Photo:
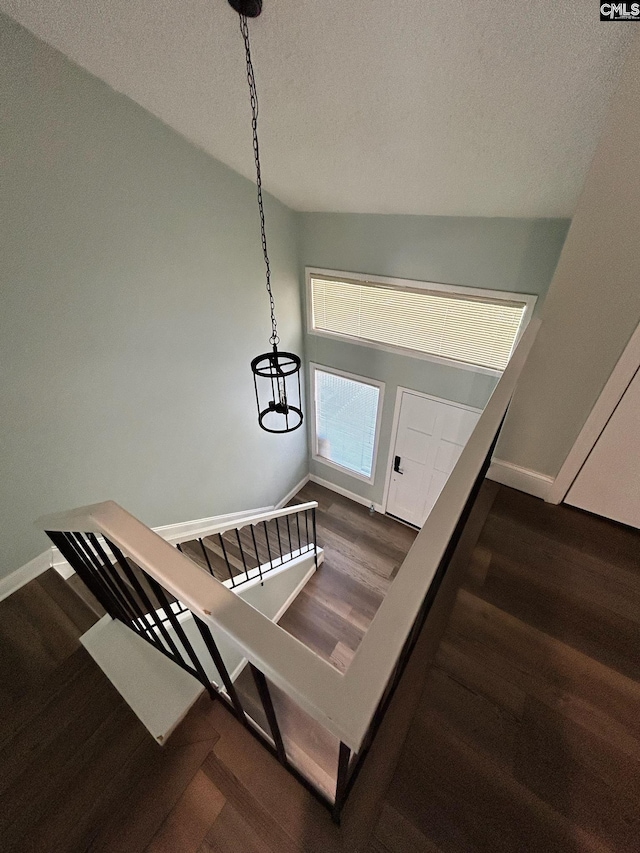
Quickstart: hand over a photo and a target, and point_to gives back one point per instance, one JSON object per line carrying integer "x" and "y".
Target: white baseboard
{"x": 345, "y": 493}
{"x": 294, "y": 491}
{"x": 524, "y": 479}
{"x": 184, "y": 528}
{"x": 24, "y": 574}
{"x": 60, "y": 564}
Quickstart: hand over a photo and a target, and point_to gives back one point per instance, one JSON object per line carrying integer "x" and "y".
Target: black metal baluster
{"x": 255, "y": 545}
{"x": 181, "y": 634}
{"x": 244, "y": 562}
{"x": 267, "y": 704}
{"x": 145, "y": 619}
{"x": 179, "y": 547}
{"x": 306, "y": 524}
{"x": 315, "y": 537}
{"x": 342, "y": 781}
{"x": 206, "y": 556}
{"x": 154, "y": 625}
{"x": 213, "y": 650}
{"x": 108, "y": 576}
{"x": 279, "y": 541}
{"x": 289, "y": 535}
{"x": 298, "y": 529}
{"x": 68, "y": 549}
{"x": 226, "y": 559}
{"x": 76, "y": 541}
{"x": 144, "y": 598}
{"x": 266, "y": 533}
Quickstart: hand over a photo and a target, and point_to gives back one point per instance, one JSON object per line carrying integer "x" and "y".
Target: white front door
{"x": 430, "y": 437}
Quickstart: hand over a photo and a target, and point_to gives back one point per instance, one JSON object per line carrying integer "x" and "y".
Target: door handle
{"x": 396, "y": 465}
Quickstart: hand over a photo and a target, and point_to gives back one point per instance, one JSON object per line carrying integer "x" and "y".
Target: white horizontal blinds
{"x": 346, "y": 416}
{"x": 474, "y": 330}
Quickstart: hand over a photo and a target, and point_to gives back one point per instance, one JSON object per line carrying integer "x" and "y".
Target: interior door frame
{"x": 396, "y": 423}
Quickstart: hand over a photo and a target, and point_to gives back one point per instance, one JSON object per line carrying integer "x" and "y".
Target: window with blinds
{"x": 346, "y": 421}
{"x": 477, "y": 330}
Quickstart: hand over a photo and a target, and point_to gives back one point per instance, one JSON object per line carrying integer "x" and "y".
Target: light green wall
{"x": 501, "y": 254}
{"x": 132, "y": 301}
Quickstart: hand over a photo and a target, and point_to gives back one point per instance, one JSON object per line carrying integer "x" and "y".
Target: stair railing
{"x": 239, "y": 551}
{"x": 150, "y": 586}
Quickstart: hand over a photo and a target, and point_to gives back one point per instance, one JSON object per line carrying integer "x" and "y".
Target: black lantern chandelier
{"x": 276, "y": 375}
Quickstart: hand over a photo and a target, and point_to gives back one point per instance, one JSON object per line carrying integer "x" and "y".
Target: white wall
{"x": 593, "y": 304}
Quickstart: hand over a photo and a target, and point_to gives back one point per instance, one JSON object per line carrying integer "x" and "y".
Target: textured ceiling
{"x": 469, "y": 108}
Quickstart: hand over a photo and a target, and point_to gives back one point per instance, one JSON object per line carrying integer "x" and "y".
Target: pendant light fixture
{"x": 276, "y": 375}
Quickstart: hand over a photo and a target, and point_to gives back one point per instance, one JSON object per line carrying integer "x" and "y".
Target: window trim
{"x": 313, "y": 366}
{"x": 528, "y": 299}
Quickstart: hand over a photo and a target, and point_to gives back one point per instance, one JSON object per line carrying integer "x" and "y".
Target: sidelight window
{"x": 346, "y": 418}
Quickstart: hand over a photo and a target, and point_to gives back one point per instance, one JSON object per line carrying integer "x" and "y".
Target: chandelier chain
{"x": 244, "y": 29}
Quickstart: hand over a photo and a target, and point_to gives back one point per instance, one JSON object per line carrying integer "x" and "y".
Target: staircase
{"x": 265, "y": 558}
{"x": 209, "y": 758}
{"x": 74, "y": 756}
{"x": 234, "y": 555}
{"x": 78, "y": 770}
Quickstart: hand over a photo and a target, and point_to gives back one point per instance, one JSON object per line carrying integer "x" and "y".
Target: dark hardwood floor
{"x": 527, "y": 737}
{"x": 362, "y": 554}
{"x": 39, "y": 629}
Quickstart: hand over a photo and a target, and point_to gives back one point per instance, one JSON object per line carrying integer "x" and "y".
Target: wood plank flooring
{"x": 79, "y": 772}
{"x": 362, "y": 554}
{"x": 528, "y": 733}
{"x": 40, "y": 626}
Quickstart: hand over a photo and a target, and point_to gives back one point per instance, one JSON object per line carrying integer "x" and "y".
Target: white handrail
{"x": 69, "y": 520}
{"x": 241, "y": 521}
{"x": 283, "y": 659}
{"x": 344, "y": 704}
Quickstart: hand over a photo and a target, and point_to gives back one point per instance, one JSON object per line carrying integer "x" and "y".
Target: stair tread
{"x": 37, "y": 634}
{"x": 55, "y": 740}
{"x": 68, "y": 600}
{"x": 81, "y": 787}
{"x": 21, "y": 712}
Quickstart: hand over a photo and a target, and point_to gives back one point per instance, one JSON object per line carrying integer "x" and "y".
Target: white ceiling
{"x": 469, "y": 108}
